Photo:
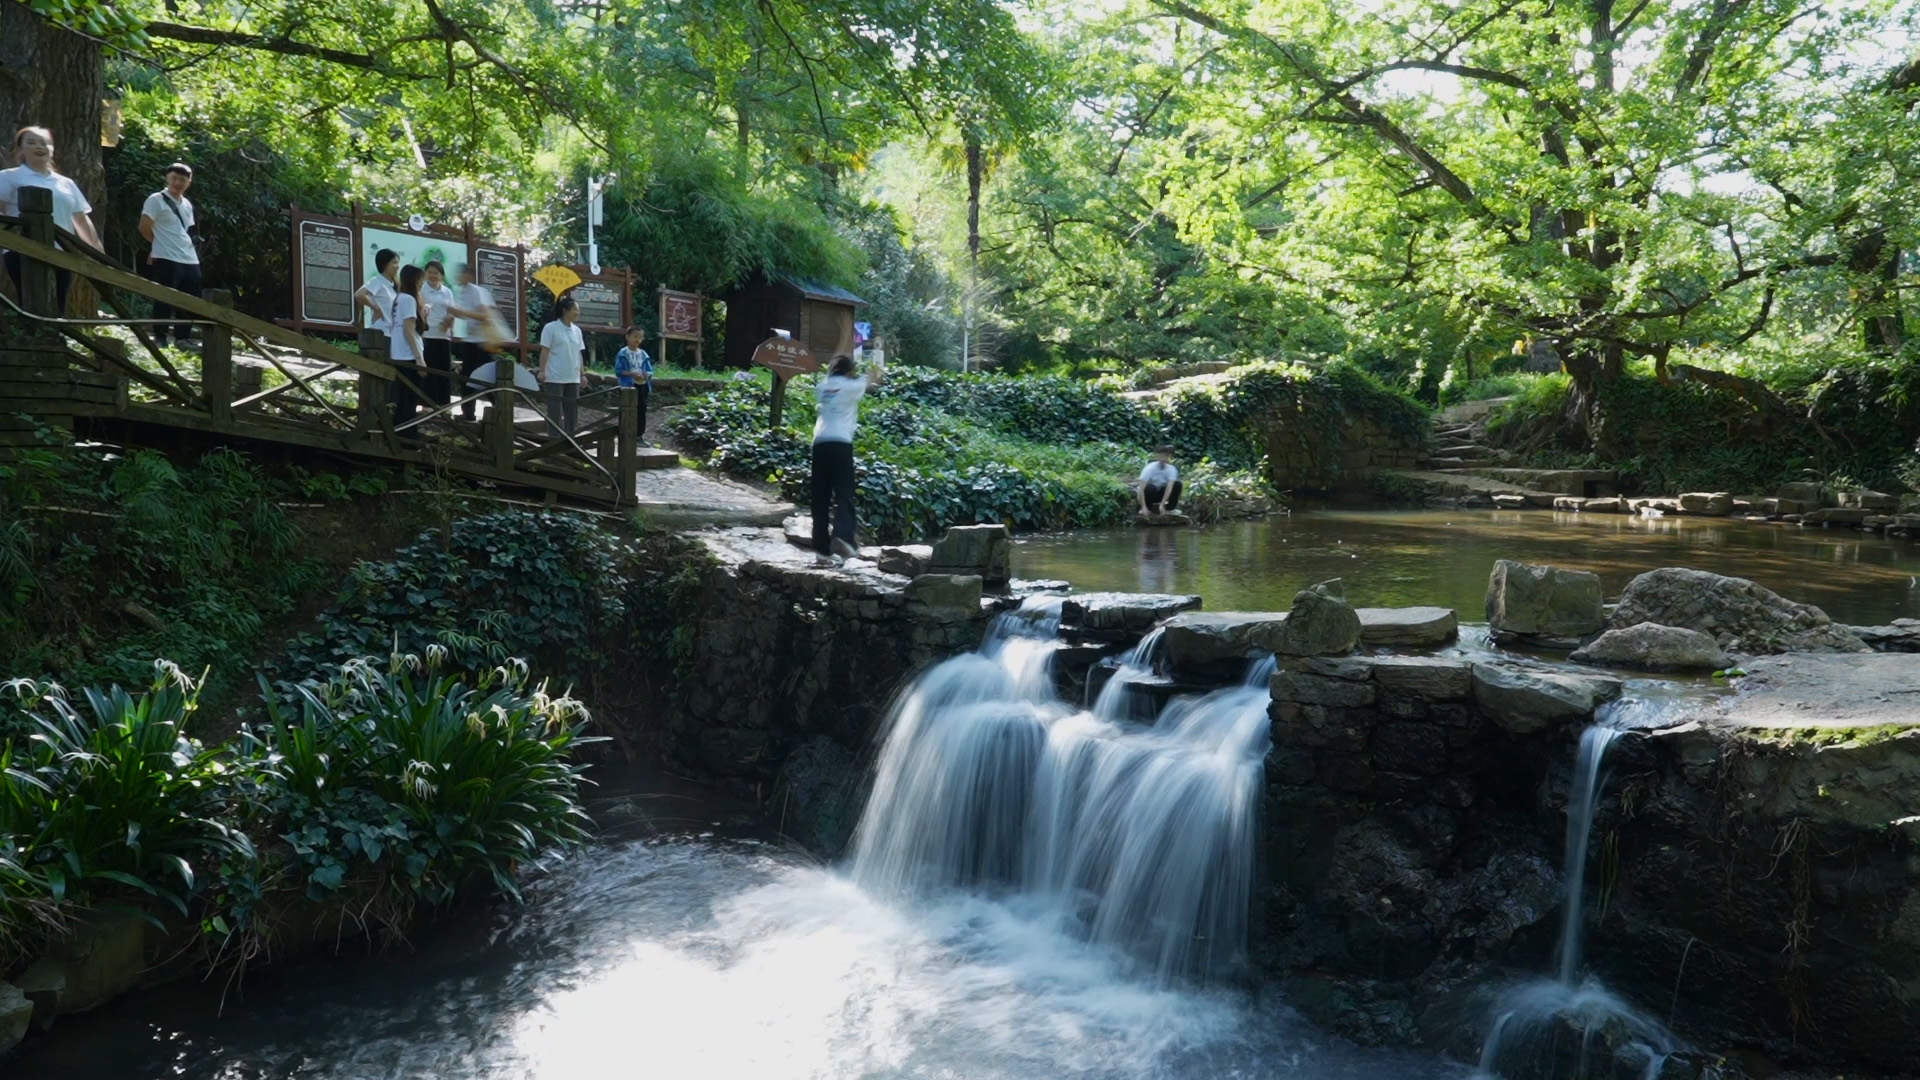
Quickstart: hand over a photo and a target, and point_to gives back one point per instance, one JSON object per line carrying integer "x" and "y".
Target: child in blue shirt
{"x": 633, "y": 367}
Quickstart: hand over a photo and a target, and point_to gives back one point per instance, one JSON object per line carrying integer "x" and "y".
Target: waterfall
{"x": 1118, "y": 700}
{"x": 1532, "y": 1018}
{"x": 1135, "y": 835}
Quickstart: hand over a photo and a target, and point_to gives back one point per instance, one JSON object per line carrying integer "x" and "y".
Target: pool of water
{"x": 710, "y": 957}
{"x": 1404, "y": 557}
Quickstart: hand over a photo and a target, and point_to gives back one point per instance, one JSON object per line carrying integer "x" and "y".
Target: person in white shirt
{"x": 166, "y": 220}
{"x": 377, "y": 294}
{"x": 436, "y": 304}
{"x": 472, "y": 312}
{"x": 562, "y": 355}
{"x": 406, "y": 322}
{"x": 1160, "y": 484}
{"x": 837, "y": 412}
{"x": 33, "y": 167}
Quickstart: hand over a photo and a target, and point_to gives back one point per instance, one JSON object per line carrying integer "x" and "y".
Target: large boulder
{"x": 1321, "y": 622}
{"x": 1133, "y": 612}
{"x": 1707, "y": 503}
{"x": 986, "y": 550}
{"x": 1412, "y": 627}
{"x": 1652, "y": 647}
{"x": 960, "y": 591}
{"x": 1738, "y": 614}
{"x": 1543, "y": 601}
{"x": 1198, "y": 640}
{"x": 1525, "y": 702}
{"x": 16, "y": 1014}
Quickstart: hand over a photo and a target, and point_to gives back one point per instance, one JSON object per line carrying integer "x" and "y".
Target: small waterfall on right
{"x": 1570, "y": 1026}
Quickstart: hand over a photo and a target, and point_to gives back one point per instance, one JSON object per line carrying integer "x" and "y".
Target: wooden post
{"x": 375, "y": 412}
{"x": 626, "y": 473}
{"x": 779, "y": 401}
{"x": 500, "y": 432}
{"x": 37, "y": 292}
{"x": 216, "y": 363}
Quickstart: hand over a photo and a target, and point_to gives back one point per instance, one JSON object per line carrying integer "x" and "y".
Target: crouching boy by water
{"x": 1160, "y": 484}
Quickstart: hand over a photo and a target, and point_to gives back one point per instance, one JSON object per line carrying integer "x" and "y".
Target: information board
{"x": 601, "y": 306}
{"x": 499, "y": 271}
{"x": 414, "y": 249}
{"x": 679, "y": 315}
{"x": 325, "y": 257}
{"x": 786, "y": 357}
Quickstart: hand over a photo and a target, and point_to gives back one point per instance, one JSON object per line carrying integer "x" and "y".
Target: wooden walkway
{"x": 259, "y": 383}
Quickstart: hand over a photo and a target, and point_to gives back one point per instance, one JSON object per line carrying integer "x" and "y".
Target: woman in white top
{"x": 405, "y": 324}
{"x": 562, "y": 355}
{"x": 436, "y": 303}
{"x": 33, "y": 167}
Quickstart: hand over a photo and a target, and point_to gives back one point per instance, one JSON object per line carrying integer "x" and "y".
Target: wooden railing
{"x": 310, "y": 408}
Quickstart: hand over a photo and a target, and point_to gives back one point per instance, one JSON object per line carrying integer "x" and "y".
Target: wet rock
{"x": 1414, "y": 627}
{"x": 1510, "y": 502}
{"x": 946, "y": 591}
{"x": 1202, "y": 639}
{"x": 16, "y": 1016}
{"x": 1740, "y": 615}
{"x": 1707, "y": 504}
{"x": 1351, "y": 1009}
{"x": 1805, "y": 492}
{"x": 1132, "y": 612}
{"x": 1569, "y": 502}
{"x": 1321, "y": 623}
{"x": 1543, "y": 601}
{"x": 909, "y": 560}
{"x": 1524, "y": 702}
{"x": 1651, "y": 647}
{"x": 1902, "y": 635}
{"x": 1426, "y": 678}
{"x": 1834, "y": 516}
{"x": 1868, "y": 500}
{"x": 818, "y": 796}
{"x": 986, "y": 550}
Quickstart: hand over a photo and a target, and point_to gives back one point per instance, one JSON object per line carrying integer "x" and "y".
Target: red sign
{"x": 786, "y": 357}
{"x": 679, "y": 315}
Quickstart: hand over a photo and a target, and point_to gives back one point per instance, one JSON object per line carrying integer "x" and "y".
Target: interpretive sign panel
{"x": 786, "y": 357}
{"x": 602, "y": 305}
{"x": 680, "y": 315}
{"x": 498, "y": 270}
{"x": 324, "y": 260}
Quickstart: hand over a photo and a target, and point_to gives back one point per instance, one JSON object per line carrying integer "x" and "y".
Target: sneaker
{"x": 844, "y": 549}
{"x": 824, "y": 561}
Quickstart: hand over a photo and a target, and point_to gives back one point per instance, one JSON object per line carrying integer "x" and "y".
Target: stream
{"x": 1038, "y": 889}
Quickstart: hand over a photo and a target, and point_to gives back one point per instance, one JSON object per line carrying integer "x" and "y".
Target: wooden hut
{"x": 816, "y": 314}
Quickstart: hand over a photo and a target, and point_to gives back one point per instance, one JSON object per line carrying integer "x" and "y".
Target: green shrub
{"x": 112, "y": 800}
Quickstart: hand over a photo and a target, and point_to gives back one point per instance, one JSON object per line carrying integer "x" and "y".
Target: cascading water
{"x": 1119, "y": 700}
{"x": 1135, "y": 836}
{"x": 1551, "y": 1027}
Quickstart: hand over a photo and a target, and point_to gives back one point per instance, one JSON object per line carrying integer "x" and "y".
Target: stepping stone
{"x": 1417, "y": 627}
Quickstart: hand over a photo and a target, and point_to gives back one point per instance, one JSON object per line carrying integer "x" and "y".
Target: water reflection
{"x": 1396, "y": 557}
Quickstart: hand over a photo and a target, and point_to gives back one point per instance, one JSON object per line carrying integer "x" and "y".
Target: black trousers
{"x": 179, "y": 276}
{"x": 440, "y": 358}
{"x": 471, "y": 357}
{"x": 1153, "y": 493}
{"x": 832, "y": 494}
{"x": 640, "y": 404}
{"x": 62, "y": 282}
{"x": 405, "y": 389}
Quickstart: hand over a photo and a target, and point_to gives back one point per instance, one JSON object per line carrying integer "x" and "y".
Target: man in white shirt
{"x": 472, "y": 309}
{"x": 1160, "y": 484}
{"x": 836, "y": 414}
{"x": 167, "y": 221}
{"x": 562, "y": 356}
{"x": 377, "y": 294}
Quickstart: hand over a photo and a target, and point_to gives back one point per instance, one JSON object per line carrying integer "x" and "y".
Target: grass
{"x": 1856, "y": 737}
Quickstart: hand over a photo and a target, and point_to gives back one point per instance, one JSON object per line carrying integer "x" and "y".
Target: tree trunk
{"x": 975, "y": 170}
{"x": 1875, "y": 264}
{"x": 54, "y": 78}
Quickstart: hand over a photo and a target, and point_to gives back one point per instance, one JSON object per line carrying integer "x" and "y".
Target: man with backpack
{"x": 167, "y": 221}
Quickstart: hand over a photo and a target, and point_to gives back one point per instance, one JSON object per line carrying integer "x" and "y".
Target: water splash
{"x": 1129, "y": 835}
{"x": 1121, "y": 700}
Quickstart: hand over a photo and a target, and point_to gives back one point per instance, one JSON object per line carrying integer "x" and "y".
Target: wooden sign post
{"x": 786, "y": 358}
{"x": 679, "y": 321}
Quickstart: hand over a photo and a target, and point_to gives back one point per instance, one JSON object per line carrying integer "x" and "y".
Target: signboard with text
{"x": 605, "y": 299}
{"x": 679, "y": 315}
{"x": 498, "y": 271}
{"x": 785, "y": 357}
{"x": 323, "y": 265}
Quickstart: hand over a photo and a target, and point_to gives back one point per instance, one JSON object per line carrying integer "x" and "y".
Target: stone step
{"x": 1450, "y": 464}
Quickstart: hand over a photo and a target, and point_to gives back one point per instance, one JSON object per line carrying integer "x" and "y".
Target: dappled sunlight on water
{"x": 1405, "y": 557}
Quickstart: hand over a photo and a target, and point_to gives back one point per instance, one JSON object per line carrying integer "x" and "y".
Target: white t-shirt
{"x": 68, "y": 200}
{"x": 403, "y": 310}
{"x": 474, "y": 297}
{"x": 437, "y": 298}
{"x": 383, "y": 293}
{"x": 839, "y": 407}
{"x": 170, "y": 239}
{"x": 1159, "y": 472}
{"x": 565, "y": 346}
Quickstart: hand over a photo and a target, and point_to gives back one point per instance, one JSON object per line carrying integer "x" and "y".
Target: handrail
{"x": 283, "y": 369}
{"x": 139, "y": 286}
{"x": 519, "y": 393}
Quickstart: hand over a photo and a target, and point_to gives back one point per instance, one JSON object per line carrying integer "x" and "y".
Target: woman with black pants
{"x": 838, "y": 408}
{"x": 436, "y": 303}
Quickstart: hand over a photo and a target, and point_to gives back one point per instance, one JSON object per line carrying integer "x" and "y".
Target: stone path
{"x": 684, "y": 497}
